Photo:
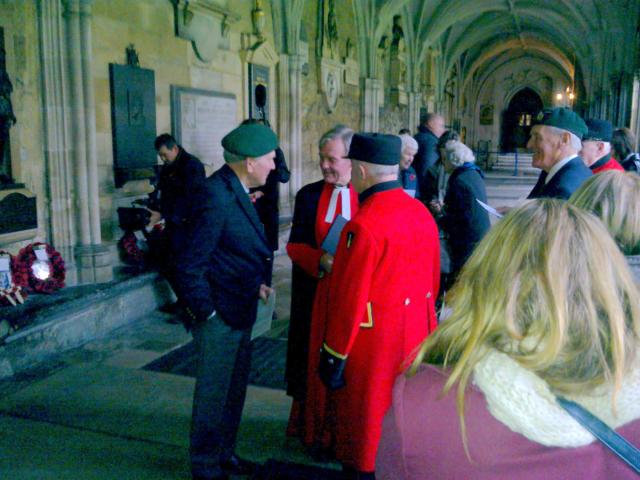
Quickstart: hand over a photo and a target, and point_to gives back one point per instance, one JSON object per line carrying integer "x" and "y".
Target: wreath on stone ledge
{"x": 15, "y": 293}
{"x": 40, "y": 283}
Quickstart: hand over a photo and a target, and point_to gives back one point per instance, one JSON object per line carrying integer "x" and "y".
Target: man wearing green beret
{"x": 555, "y": 142}
{"x": 221, "y": 274}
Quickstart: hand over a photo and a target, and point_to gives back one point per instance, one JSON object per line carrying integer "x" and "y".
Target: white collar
{"x": 557, "y": 167}
{"x": 524, "y": 403}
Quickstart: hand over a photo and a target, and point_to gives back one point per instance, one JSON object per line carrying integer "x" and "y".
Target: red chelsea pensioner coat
{"x": 381, "y": 306}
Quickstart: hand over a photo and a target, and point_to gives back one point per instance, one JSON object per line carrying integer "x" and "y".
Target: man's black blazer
{"x": 566, "y": 181}
{"x": 226, "y": 255}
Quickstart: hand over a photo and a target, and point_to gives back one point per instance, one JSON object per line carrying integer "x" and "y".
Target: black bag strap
{"x": 612, "y": 440}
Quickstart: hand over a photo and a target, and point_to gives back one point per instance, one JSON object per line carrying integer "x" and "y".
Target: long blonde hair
{"x": 548, "y": 287}
{"x": 614, "y": 197}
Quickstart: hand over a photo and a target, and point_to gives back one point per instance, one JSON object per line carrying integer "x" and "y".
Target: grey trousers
{"x": 223, "y": 364}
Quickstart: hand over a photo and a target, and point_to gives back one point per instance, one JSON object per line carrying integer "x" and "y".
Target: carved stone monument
{"x": 205, "y": 24}
{"x": 329, "y": 66}
{"x": 398, "y": 64}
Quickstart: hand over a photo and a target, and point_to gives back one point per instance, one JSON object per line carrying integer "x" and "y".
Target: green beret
{"x": 251, "y": 140}
{"x": 563, "y": 118}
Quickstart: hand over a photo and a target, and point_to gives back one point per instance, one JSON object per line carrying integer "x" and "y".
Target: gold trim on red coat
{"x": 369, "y": 322}
{"x": 333, "y": 352}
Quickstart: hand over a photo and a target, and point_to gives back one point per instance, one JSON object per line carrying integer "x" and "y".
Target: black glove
{"x": 331, "y": 370}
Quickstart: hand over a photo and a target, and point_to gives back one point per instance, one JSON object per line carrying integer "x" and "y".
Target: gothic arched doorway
{"x": 517, "y": 118}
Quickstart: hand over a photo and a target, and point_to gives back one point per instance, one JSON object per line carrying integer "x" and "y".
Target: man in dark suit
{"x": 171, "y": 201}
{"x": 429, "y": 131}
{"x": 222, "y": 271}
{"x": 555, "y": 142}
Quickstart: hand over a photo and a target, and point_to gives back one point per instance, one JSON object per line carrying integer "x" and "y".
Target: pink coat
{"x": 421, "y": 440}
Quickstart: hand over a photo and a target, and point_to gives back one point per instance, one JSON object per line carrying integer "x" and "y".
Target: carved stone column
{"x": 415, "y": 102}
{"x": 55, "y": 101}
{"x": 290, "y": 105}
{"x": 370, "y": 110}
{"x": 93, "y": 258}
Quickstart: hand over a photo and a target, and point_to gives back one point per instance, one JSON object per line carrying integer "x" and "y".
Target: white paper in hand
{"x": 489, "y": 209}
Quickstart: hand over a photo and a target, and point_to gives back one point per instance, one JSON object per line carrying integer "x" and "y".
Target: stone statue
{"x": 7, "y": 118}
{"x": 332, "y": 29}
{"x": 132, "y": 56}
{"x": 398, "y": 34}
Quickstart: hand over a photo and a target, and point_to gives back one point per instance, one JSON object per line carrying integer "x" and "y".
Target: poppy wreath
{"x": 132, "y": 252}
{"x": 27, "y": 257}
{"x": 16, "y": 294}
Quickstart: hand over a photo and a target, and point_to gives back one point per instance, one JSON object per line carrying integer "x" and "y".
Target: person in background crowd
{"x": 596, "y": 147}
{"x": 545, "y": 306}
{"x": 316, "y": 207}
{"x": 266, "y": 198}
{"x": 614, "y": 197}
{"x": 173, "y": 201}
{"x": 623, "y": 143}
{"x": 437, "y": 177}
{"x": 555, "y": 142}
{"x": 408, "y": 177}
{"x": 404, "y": 131}
{"x": 222, "y": 274}
{"x": 381, "y": 299}
{"x": 463, "y": 219}
{"x": 430, "y": 129}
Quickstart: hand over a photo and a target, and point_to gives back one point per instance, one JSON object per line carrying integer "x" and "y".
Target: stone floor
{"x": 94, "y": 413}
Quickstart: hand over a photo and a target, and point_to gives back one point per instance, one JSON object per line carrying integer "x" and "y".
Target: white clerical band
{"x": 345, "y": 199}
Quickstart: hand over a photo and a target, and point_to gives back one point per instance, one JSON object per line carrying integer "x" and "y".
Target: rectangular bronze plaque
{"x": 133, "y": 122}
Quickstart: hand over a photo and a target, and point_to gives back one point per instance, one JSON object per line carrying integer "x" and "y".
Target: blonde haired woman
{"x": 614, "y": 197}
{"x": 546, "y": 305}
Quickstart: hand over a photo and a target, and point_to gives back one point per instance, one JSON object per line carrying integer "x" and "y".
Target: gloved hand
{"x": 331, "y": 370}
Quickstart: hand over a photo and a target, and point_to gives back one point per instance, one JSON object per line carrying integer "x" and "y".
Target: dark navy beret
{"x": 599, "y": 130}
{"x": 376, "y": 148}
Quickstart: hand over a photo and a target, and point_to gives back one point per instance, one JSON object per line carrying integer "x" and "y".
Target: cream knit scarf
{"x": 523, "y": 402}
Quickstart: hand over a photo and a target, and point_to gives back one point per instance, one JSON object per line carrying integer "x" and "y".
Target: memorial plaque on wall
{"x": 18, "y": 211}
{"x": 133, "y": 122}
{"x": 200, "y": 119}
{"x": 258, "y": 78}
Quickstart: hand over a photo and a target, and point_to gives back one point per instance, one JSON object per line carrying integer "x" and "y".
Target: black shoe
{"x": 235, "y": 465}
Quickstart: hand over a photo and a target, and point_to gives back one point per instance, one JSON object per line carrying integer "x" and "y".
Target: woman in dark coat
{"x": 464, "y": 220}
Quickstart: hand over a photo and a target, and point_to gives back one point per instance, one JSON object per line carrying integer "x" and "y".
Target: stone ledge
{"x": 55, "y": 323}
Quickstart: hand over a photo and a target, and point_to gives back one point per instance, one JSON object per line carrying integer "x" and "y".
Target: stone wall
{"x": 315, "y": 118}
{"x": 149, "y": 25}
{"x": 18, "y": 19}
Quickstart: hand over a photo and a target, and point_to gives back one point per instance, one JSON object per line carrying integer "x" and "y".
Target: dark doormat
{"x": 276, "y": 470}
{"x": 267, "y": 362}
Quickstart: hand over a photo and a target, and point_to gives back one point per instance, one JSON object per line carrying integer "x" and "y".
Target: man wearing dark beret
{"x": 220, "y": 277}
{"x": 596, "y": 147}
{"x": 555, "y": 142}
{"x": 382, "y": 291}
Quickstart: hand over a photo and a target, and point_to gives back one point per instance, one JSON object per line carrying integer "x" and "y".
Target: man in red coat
{"x": 317, "y": 206}
{"x": 596, "y": 147}
{"x": 381, "y": 299}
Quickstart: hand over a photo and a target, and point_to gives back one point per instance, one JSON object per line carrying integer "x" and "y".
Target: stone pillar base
{"x": 93, "y": 264}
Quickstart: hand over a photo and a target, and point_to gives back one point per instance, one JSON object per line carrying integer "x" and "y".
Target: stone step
{"x": 54, "y": 323}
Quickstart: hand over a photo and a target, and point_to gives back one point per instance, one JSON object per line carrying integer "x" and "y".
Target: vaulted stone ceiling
{"x": 590, "y": 39}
